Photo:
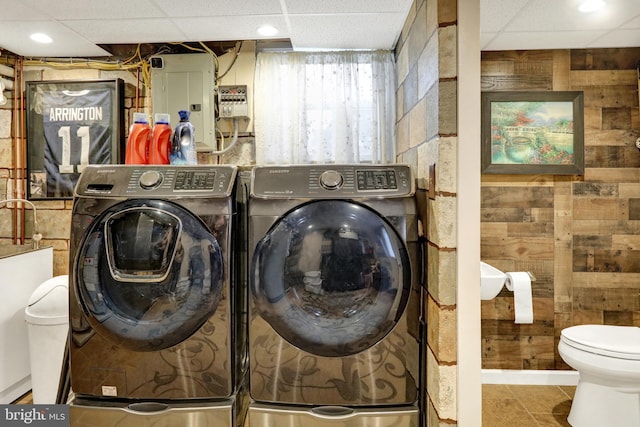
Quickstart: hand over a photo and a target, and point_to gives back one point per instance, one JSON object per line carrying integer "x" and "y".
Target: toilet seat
{"x": 620, "y": 342}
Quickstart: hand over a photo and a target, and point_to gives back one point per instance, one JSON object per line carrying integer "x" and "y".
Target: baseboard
{"x": 15, "y": 390}
{"x": 529, "y": 377}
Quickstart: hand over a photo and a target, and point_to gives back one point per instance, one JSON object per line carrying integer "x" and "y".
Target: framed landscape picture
{"x": 533, "y": 133}
{"x": 71, "y": 124}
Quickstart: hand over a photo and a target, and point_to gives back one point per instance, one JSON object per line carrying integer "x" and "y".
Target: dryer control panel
{"x": 156, "y": 181}
{"x": 332, "y": 181}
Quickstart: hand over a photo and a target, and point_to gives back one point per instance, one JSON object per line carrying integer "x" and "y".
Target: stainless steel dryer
{"x": 334, "y": 301}
{"x": 154, "y": 314}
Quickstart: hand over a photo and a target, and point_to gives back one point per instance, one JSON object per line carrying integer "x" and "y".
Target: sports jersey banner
{"x": 71, "y": 125}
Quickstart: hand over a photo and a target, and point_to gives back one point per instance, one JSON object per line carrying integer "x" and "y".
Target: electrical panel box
{"x": 237, "y": 69}
{"x": 232, "y": 101}
{"x": 186, "y": 82}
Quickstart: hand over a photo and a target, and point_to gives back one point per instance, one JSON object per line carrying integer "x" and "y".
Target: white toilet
{"x": 608, "y": 361}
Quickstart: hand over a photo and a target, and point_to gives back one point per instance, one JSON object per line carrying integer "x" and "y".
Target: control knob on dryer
{"x": 150, "y": 179}
{"x": 331, "y": 179}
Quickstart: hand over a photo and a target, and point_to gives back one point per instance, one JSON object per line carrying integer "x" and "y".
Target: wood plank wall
{"x": 579, "y": 235}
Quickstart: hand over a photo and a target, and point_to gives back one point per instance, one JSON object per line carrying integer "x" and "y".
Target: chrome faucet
{"x": 37, "y": 237}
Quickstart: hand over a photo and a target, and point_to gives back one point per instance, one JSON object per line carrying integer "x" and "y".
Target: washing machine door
{"x": 332, "y": 277}
{"x": 148, "y": 274}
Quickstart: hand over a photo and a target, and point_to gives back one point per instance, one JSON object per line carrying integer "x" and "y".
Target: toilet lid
{"x": 615, "y": 341}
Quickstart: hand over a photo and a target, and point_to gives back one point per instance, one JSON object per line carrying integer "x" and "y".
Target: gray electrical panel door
{"x": 186, "y": 82}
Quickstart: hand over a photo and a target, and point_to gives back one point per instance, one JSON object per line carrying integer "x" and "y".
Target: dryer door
{"x": 332, "y": 277}
{"x": 148, "y": 274}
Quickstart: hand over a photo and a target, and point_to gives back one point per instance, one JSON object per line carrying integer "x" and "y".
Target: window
{"x": 325, "y": 107}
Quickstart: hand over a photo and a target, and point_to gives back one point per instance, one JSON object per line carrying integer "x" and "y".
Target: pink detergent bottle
{"x": 160, "y": 140}
{"x": 137, "y": 152}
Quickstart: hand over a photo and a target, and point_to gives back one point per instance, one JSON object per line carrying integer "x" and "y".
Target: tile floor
{"x": 525, "y": 405}
{"x": 508, "y": 405}
{"x": 26, "y": 399}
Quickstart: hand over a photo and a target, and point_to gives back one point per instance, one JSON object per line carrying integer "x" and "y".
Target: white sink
{"x": 491, "y": 281}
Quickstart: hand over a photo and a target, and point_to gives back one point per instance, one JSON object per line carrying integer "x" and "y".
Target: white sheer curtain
{"x": 325, "y": 107}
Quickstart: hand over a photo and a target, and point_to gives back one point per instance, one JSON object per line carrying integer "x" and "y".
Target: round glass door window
{"x": 149, "y": 274}
{"x": 331, "y": 277}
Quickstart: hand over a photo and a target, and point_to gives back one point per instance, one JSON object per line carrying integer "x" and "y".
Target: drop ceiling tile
{"x": 529, "y": 40}
{"x": 213, "y": 8}
{"x": 495, "y": 14}
{"x": 633, "y": 23}
{"x": 341, "y": 6}
{"x": 97, "y": 9}
{"x": 618, "y": 38}
{"x": 486, "y": 38}
{"x": 552, "y": 15}
{"x": 12, "y": 11}
{"x": 137, "y": 30}
{"x": 345, "y": 31}
{"x": 14, "y": 36}
{"x": 223, "y": 28}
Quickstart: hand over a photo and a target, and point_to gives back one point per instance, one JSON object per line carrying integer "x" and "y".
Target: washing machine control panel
{"x": 157, "y": 181}
{"x": 150, "y": 179}
{"x": 332, "y": 181}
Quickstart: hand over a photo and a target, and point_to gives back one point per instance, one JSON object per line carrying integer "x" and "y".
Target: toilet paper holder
{"x": 532, "y": 277}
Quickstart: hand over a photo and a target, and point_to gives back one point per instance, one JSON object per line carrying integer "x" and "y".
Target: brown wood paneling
{"x": 611, "y": 96}
{"x": 625, "y": 242}
{"x": 605, "y": 59}
{"x": 611, "y": 157}
{"x": 513, "y": 83}
{"x": 508, "y": 327}
{"x": 537, "y": 363}
{"x": 590, "y": 242}
{"x": 611, "y": 299}
{"x": 621, "y": 318}
{"x": 610, "y": 226}
{"x": 563, "y": 241}
{"x": 602, "y": 260}
{"x": 598, "y": 189}
{"x": 634, "y": 209}
{"x": 518, "y": 55}
{"x": 534, "y": 229}
{"x": 519, "y": 347}
{"x": 504, "y": 214}
{"x": 604, "y": 280}
{"x": 614, "y": 137}
{"x": 579, "y": 234}
{"x": 580, "y": 79}
{"x": 612, "y": 174}
{"x": 514, "y": 197}
{"x": 537, "y": 248}
{"x": 617, "y": 118}
{"x": 599, "y": 208}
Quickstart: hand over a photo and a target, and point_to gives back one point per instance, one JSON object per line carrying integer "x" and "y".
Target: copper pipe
{"x": 18, "y": 154}
{"x": 22, "y": 141}
{"x": 16, "y": 149}
{"x": 137, "y": 87}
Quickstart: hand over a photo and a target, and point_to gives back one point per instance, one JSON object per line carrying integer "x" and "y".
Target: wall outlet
{"x": 638, "y": 143}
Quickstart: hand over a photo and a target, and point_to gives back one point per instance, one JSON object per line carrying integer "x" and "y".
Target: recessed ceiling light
{"x": 591, "y": 5}
{"x": 267, "y": 31}
{"x": 41, "y": 38}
